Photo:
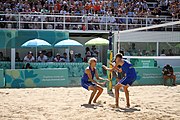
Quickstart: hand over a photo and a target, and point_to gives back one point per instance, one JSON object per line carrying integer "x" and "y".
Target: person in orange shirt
{"x": 57, "y": 7}
{"x": 96, "y": 8}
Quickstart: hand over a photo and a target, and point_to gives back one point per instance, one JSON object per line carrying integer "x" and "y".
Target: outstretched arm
{"x": 109, "y": 69}
{"x": 99, "y": 78}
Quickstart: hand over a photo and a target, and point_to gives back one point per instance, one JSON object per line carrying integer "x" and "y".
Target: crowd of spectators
{"x": 44, "y": 56}
{"x": 133, "y": 51}
{"x": 86, "y": 11}
{"x": 48, "y": 56}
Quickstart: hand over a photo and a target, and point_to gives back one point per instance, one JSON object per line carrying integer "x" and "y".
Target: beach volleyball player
{"x": 127, "y": 80}
{"x": 88, "y": 82}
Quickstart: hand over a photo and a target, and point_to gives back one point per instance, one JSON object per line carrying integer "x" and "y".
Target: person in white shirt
{"x": 29, "y": 57}
{"x": 64, "y": 59}
{"x": 42, "y": 57}
{"x": 50, "y": 58}
{"x": 57, "y": 58}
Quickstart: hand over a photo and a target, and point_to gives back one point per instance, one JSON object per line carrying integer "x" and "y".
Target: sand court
{"x": 147, "y": 102}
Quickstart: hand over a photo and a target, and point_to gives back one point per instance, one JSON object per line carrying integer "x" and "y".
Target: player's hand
{"x": 107, "y": 80}
{"x": 102, "y": 84}
{"x": 103, "y": 66}
{"x": 111, "y": 63}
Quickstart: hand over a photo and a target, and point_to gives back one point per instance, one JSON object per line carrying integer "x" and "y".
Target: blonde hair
{"x": 92, "y": 59}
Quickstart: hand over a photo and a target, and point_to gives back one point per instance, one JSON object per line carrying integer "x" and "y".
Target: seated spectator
{"x": 57, "y": 58}
{"x": 50, "y": 58}
{"x": 42, "y": 57}
{"x": 168, "y": 73}
{"x": 139, "y": 53}
{"x": 28, "y": 66}
{"x": 170, "y": 53}
{"x": 1, "y": 56}
{"x": 65, "y": 58}
{"x": 133, "y": 50}
{"x": 29, "y": 57}
{"x": 17, "y": 58}
{"x": 78, "y": 58}
{"x": 153, "y": 53}
{"x": 163, "y": 53}
{"x": 144, "y": 53}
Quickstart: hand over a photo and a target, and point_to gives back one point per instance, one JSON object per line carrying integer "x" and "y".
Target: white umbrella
{"x": 98, "y": 42}
{"x": 36, "y": 43}
{"x": 67, "y": 43}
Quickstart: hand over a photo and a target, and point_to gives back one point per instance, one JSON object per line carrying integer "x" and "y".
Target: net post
{"x": 109, "y": 59}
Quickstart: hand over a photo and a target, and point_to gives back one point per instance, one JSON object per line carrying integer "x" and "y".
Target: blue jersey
{"x": 85, "y": 77}
{"x": 128, "y": 68}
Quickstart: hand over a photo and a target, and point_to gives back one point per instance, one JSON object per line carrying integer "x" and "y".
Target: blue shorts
{"x": 127, "y": 80}
{"x": 87, "y": 84}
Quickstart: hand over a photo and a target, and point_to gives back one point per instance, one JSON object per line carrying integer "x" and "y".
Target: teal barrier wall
{"x": 20, "y": 78}
{"x": 143, "y": 62}
{"x": 153, "y": 76}
{"x": 145, "y": 76}
{"x": 74, "y": 69}
{"x": 2, "y": 80}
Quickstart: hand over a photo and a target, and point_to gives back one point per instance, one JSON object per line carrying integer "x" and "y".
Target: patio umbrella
{"x": 36, "y": 43}
{"x": 66, "y": 44}
{"x": 97, "y": 41}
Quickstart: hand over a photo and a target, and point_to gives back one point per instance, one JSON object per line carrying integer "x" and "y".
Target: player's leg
{"x": 127, "y": 95}
{"x": 94, "y": 90}
{"x": 117, "y": 88}
{"x": 100, "y": 90}
{"x": 165, "y": 77}
{"x": 174, "y": 79}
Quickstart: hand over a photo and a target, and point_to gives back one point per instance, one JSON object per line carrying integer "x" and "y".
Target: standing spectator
{"x": 168, "y": 73}
{"x": 29, "y": 57}
{"x": 42, "y": 57}
{"x": 94, "y": 51}
{"x": 87, "y": 54}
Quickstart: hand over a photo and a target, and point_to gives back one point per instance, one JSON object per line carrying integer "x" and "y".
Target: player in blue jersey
{"x": 125, "y": 82}
{"x": 88, "y": 82}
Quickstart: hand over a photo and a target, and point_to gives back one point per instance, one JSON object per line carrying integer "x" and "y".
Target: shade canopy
{"x": 67, "y": 43}
{"x": 97, "y": 41}
{"x": 36, "y": 43}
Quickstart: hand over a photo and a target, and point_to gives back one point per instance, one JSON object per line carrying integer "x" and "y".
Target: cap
{"x": 29, "y": 52}
{"x": 57, "y": 54}
{"x": 40, "y": 52}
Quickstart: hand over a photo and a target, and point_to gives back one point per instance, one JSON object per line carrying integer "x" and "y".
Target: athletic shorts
{"x": 87, "y": 84}
{"x": 127, "y": 80}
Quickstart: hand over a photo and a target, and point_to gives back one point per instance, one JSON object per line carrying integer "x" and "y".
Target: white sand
{"x": 147, "y": 103}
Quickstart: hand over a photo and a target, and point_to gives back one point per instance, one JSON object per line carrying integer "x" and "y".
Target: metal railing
{"x": 81, "y": 23}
